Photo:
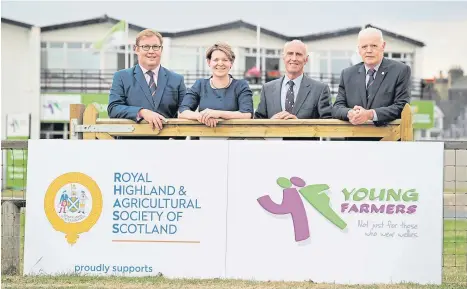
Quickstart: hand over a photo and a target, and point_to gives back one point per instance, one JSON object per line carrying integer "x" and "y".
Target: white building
{"x": 60, "y": 58}
{"x": 20, "y": 74}
{"x": 67, "y": 46}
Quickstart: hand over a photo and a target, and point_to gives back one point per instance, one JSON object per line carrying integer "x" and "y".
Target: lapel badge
{"x": 382, "y": 73}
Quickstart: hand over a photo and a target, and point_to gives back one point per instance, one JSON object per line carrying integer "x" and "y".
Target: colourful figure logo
{"x": 73, "y": 204}
{"x": 53, "y": 106}
{"x": 292, "y": 204}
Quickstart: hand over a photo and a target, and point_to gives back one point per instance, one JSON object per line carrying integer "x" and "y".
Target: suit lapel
{"x": 139, "y": 76}
{"x": 380, "y": 75}
{"x": 161, "y": 83}
{"x": 303, "y": 92}
{"x": 361, "y": 84}
{"x": 277, "y": 89}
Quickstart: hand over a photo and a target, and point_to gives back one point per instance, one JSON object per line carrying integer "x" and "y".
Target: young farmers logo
{"x": 73, "y": 204}
{"x": 53, "y": 106}
{"x": 292, "y": 204}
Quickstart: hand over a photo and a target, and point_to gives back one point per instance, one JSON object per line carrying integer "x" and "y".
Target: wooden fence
{"x": 85, "y": 124}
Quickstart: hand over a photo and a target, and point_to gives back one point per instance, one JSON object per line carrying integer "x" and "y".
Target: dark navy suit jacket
{"x": 130, "y": 93}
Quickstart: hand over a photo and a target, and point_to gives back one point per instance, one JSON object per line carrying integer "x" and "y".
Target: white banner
{"x": 18, "y": 125}
{"x": 126, "y": 207}
{"x": 344, "y": 212}
{"x": 56, "y": 107}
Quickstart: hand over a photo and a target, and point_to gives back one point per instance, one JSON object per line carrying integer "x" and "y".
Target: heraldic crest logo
{"x": 73, "y": 204}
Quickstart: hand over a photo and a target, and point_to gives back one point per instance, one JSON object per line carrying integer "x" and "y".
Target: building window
{"x": 74, "y": 45}
{"x": 44, "y": 62}
{"x": 57, "y": 130}
{"x": 323, "y": 66}
{"x": 406, "y": 58}
{"x": 334, "y": 61}
{"x": 56, "y": 58}
{"x": 339, "y": 64}
{"x": 185, "y": 58}
{"x": 56, "y": 44}
{"x": 82, "y": 59}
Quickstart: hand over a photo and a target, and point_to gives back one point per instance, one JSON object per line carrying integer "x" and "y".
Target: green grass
{"x": 455, "y": 243}
{"x": 454, "y": 273}
{"x": 161, "y": 282}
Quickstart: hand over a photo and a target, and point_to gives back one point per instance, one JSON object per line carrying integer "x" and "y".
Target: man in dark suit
{"x": 376, "y": 89}
{"x": 295, "y": 95}
{"x": 146, "y": 91}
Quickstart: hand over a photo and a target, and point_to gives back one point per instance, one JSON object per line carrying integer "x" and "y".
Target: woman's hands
{"x": 209, "y": 117}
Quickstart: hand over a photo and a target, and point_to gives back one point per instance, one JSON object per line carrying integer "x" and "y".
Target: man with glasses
{"x": 146, "y": 91}
{"x": 376, "y": 89}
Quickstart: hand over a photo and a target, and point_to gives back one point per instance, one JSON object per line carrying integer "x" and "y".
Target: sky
{"x": 290, "y": 18}
{"x": 436, "y": 23}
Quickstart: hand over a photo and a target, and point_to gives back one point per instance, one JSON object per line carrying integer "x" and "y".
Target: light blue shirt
{"x": 375, "y": 117}
{"x": 285, "y": 87}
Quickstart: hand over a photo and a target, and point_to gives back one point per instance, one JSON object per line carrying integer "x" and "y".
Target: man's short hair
{"x": 296, "y": 41}
{"x": 370, "y": 30}
{"x": 148, "y": 33}
{"x": 221, "y": 46}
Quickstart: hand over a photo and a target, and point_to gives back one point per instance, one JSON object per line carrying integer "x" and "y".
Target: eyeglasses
{"x": 147, "y": 47}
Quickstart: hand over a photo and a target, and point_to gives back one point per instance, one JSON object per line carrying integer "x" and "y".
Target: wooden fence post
{"x": 89, "y": 118}
{"x": 406, "y": 124}
{"x": 76, "y": 112}
{"x": 10, "y": 238}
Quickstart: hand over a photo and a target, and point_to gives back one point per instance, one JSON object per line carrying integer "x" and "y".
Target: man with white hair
{"x": 376, "y": 89}
{"x": 294, "y": 95}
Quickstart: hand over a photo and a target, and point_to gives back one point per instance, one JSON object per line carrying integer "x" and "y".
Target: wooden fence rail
{"x": 85, "y": 124}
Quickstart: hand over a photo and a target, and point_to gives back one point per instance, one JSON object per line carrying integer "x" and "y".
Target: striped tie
{"x": 371, "y": 79}
{"x": 152, "y": 84}
{"x": 289, "y": 98}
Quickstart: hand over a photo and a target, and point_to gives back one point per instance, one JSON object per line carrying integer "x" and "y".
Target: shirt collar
{"x": 376, "y": 67}
{"x": 155, "y": 70}
{"x": 296, "y": 81}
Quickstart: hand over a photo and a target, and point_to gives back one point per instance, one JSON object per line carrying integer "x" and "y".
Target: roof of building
{"x": 234, "y": 25}
{"x": 16, "y": 23}
{"x": 97, "y": 20}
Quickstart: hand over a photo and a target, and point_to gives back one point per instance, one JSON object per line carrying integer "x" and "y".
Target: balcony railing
{"x": 100, "y": 81}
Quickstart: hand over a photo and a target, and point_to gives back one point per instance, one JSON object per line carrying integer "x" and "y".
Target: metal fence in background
{"x": 14, "y": 172}
{"x": 100, "y": 81}
{"x": 455, "y": 214}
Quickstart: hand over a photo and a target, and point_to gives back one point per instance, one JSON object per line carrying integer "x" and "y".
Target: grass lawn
{"x": 160, "y": 282}
{"x": 455, "y": 244}
{"x": 454, "y": 273}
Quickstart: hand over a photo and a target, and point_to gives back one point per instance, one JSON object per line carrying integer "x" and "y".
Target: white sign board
{"x": 56, "y": 107}
{"x": 18, "y": 125}
{"x": 344, "y": 212}
{"x": 126, "y": 207}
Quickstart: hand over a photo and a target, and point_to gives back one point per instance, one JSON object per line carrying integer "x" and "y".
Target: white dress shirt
{"x": 156, "y": 73}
